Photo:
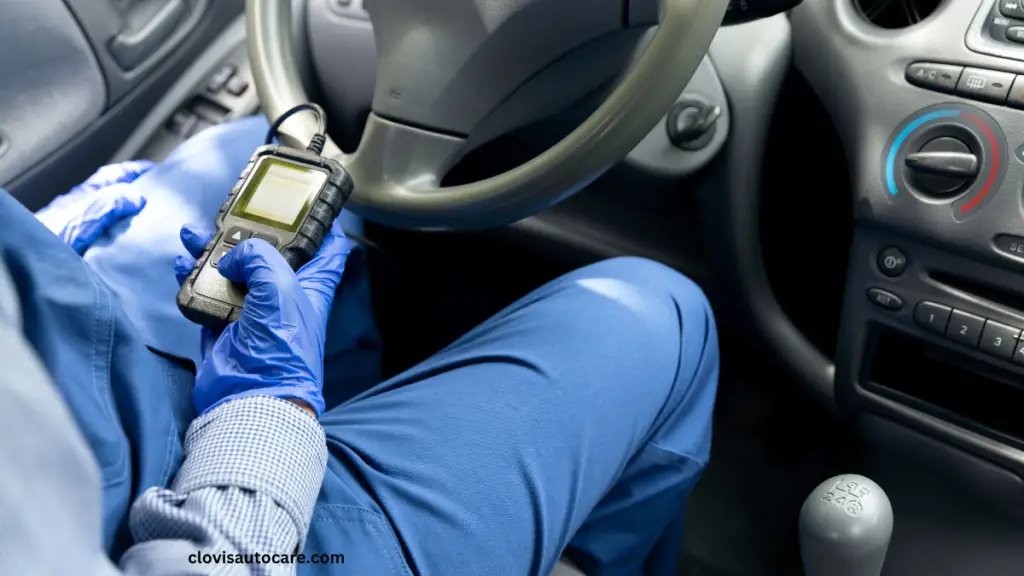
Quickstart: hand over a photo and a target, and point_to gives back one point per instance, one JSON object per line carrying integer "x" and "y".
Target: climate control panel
{"x": 949, "y": 153}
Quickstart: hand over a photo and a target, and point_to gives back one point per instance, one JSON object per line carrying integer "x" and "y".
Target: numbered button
{"x": 1018, "y": 355}
{"x": 964, "y": 328}
{"x": 932, "y": 317}
{"x": 999, "y": 340}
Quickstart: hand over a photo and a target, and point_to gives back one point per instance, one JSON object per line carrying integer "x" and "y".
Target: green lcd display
{"x": 279, "y": 193}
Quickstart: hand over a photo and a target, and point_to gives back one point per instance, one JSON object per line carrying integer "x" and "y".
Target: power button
{"x": 892, "y": 262}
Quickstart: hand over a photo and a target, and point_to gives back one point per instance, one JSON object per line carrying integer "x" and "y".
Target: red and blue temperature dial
{"x": 972, "y": 132}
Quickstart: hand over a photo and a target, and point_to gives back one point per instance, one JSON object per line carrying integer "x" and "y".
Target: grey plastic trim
{"x": 100, "y": 24}
{"x": 752, "y": 60}
{"x": 301, "y": 41}
{"x": 395, "y": 189}
{"x": 855, "y": 395}
{"x": 344, "y": 57}
{"x": 979, "y": 40}
{"x": 986, "y": 480}
{"x": 82, "y": 151}
{"x": 130, "y": 48}
{"x": 52, "y": 87}
{"x": 232, "y": 37}
{"x": 993, "y": 451}
{"x": 446, "y": 66}
{"x": 587, "y": 74}
{"x": 656, "y": 154}
{"x": 858, "y": 72}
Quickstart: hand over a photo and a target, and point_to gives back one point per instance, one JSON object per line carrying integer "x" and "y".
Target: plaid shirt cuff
{"x": 258, "y": 443}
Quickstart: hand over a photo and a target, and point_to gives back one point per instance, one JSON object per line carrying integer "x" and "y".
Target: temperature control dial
{"x": 949, "y": 152}
{"x": 943, "y": 166}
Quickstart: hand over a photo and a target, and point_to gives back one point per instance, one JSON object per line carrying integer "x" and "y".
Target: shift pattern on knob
{"x": 845, "y": 527}
{"x": 948, "y": 151}
{"x": 846, "y": 494}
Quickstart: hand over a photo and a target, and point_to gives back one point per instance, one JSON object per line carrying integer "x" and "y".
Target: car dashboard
{"x": 930, "y": 359}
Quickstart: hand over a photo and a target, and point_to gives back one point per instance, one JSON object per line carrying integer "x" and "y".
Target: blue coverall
{"x": 578, "y": 419}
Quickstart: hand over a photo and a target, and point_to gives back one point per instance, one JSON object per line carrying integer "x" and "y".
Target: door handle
{"x": 131, "y": 47}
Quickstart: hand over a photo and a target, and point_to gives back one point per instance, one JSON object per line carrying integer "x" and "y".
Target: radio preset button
{"x": 932, "y": 317}
{"x": 965, "y": 328}
{"x": 999, "y": 340}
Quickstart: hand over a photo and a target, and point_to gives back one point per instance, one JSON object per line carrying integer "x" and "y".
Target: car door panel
{"x": 80, "y": 75}
{"x": 52, "y": 87}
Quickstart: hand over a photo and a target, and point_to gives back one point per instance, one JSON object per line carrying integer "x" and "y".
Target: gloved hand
{"x": 89, "y": 209}
{"x": 276, "y": 348}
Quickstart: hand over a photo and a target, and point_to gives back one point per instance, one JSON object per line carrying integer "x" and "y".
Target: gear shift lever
{"x": 845, "y": 525}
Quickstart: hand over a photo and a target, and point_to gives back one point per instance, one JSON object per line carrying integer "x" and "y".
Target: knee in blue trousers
{"x": 575, "y": 421}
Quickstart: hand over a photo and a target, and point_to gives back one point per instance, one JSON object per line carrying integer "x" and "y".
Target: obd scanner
{"x": 286, "y": 197}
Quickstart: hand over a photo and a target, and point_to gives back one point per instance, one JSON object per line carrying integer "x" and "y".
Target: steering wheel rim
{"x": 397, "y": 168}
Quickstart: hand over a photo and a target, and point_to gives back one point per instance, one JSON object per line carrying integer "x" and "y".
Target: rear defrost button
{"x": 985, "y": 85}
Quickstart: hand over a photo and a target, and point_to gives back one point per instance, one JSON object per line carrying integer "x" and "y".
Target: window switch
{"x": 236, "y": 85}
{"x": 181, "y": 122}
{"x": 220, "y": 78}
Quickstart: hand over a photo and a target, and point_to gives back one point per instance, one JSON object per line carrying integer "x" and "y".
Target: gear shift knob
{"x": 845, "y": 525}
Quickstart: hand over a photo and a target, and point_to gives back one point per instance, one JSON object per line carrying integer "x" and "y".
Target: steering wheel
{"x": 446, "y": 65}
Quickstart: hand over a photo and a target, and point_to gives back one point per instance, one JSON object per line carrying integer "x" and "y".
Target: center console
{"x": 930, "y": 356}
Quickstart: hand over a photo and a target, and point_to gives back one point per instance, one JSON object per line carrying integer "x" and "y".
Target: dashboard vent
{"x": 896, "y": 13}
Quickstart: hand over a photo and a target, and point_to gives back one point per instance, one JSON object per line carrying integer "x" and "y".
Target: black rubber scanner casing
{"x": 214, "y": 313}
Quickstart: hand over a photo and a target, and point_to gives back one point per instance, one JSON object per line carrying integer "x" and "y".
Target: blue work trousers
{"x": 575, "y": 421}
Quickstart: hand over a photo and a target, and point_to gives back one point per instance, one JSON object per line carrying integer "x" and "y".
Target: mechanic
{"x": 577, "y": 420}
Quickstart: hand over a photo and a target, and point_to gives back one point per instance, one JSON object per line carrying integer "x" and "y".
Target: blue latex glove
{"x": 91, "y": 208}
{"x": 277, "y": 346}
